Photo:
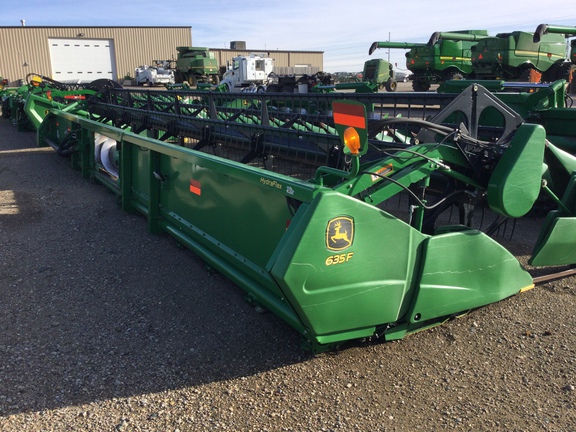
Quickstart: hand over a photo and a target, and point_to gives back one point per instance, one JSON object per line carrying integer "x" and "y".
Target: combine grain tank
{"x": 516, "y": 56}
{"x": 196, "y": 65}
{"x": 442, "y": 58}
{"x": 544, "y": 29}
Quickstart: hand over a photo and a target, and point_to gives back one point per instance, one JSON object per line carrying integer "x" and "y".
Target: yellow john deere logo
{"x": 339, "y": 233}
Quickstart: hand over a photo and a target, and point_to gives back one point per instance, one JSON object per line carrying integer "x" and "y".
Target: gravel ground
{"x": 106, "y": 327}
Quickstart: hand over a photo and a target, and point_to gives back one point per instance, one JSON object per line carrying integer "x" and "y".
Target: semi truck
{"x": 255, "y": 73}
{"x": 446, "y": 56}
{"x": 248, "y": 73}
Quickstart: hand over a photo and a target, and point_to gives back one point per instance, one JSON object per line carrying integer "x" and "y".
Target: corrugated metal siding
{"x": 309, "y": 59}
{"x": 25, "y": 50}
{"x": 282, "y": 59}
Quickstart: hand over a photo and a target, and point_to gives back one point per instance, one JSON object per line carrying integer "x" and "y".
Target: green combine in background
{"x": 438, "y": 60}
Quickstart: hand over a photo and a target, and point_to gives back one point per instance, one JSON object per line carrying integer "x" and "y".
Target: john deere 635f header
{"x": 289, "y": 196}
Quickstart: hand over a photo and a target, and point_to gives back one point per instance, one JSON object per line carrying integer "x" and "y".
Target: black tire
{"x": 454, "y": 75}
{"x": 420, "y": 86}
{"x": 524, "y": 75}
{"x": 192, "y": 81}
{"x": 391, "y": 86}
{"x": 6, "y": 109}
{"x": 563, "y": 71}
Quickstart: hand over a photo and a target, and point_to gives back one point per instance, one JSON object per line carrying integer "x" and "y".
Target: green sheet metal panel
{"x": 340, "y": 282}
{"x": 515, "y": 183}
{"x": 248, "y": 218}
{"x": 556, "y": 244}
{"x": 464, "y": 270}
{"x": 560, "y": 125}
{"x": 140, "y": 172}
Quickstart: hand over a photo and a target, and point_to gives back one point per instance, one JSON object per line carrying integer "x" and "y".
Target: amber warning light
{"x": 352, "y": 140}
{"x": 350, "y": 122}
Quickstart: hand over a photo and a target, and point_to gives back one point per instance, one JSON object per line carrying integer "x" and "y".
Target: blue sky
{"x": 343, "y": 30}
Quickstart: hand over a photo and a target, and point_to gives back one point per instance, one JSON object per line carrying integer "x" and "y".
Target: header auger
{"x": 295, "y": 197}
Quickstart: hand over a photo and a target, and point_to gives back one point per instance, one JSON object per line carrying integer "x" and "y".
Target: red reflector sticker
{"x": 195, "y": 187}
{"x": 349, "y": 115}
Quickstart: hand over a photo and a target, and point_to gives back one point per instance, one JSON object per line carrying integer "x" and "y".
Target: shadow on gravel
{"x": 93, "y": 307}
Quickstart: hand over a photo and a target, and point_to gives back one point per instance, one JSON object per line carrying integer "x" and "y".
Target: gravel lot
{"x": 106, "y": 327}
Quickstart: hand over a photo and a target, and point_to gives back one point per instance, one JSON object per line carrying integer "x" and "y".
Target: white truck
{"x": 256, "y": 74}
{"x": 248, "y": 74}
{"x": 159, "y": 74}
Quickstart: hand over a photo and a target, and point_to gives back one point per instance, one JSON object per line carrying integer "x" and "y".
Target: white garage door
{"x": 82, "y": 60}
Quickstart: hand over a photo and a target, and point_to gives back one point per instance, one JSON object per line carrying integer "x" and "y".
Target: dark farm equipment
{"x": 295, "y": 197}
{"x": 14, "y": 99}
{"x": 378, "y": 74}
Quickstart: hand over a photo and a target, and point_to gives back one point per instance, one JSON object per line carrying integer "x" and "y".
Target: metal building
{"x": 89, "y": 53}
{"x": 85, "y": 53}
{"x": 285, "y": 62}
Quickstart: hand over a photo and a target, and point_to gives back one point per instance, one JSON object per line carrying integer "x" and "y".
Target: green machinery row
{"x": 349, "y": 216}
{"x": 474, "y": 54}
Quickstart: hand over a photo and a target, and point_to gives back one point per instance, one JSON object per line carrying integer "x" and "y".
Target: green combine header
{"x": 344, "y": 218}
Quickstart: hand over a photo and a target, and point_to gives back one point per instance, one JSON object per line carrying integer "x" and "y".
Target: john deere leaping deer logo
{"x": 339, "y": 233}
